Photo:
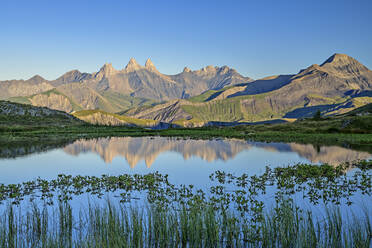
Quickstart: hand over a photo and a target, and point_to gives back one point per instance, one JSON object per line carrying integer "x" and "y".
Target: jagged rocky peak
{"x": 207, "y": 70}
{"x": 224, "y": 69}
{"x": 108, "y": 69}
{"x": 150, "y": 66}
{"x": 186, "y": 69}
{"x": 70, "y": 75}
{"x": 132, "y": 66}
{"x": 210, "y": 68}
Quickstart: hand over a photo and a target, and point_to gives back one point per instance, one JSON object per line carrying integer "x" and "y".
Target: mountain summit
{"x": 150, "y": 66}
{"x": 36, "y": 79}
{"x": 339, "y": 58}
{"x": 342, "y": 63}
{"x": 132, "y": 66}
{"x": 106, "y": 71}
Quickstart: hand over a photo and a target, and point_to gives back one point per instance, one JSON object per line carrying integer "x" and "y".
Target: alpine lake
{"x": 176, "y": 192}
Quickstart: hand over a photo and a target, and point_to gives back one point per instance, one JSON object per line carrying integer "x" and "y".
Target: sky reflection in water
{"x": 185, "y": 161}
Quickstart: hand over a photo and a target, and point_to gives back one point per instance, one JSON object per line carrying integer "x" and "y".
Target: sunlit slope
{"x": 24, "y": 115}
{"x": 76, "y": 96}
{"x": 104, "y": 118}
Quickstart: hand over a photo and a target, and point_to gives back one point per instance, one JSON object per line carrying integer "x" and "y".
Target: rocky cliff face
{"x": 53, "y": 101}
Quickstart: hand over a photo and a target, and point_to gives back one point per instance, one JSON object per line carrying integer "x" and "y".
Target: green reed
{"x": 121, "y": 226}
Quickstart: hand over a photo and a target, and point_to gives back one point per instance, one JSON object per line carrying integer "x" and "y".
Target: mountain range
{"x": 114, "y": 90}
{"x": 338, "y": 85}
{"x": 196, "y": 98}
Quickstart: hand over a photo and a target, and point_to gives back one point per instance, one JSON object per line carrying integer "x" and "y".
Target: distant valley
{"x": 141, "y": 94}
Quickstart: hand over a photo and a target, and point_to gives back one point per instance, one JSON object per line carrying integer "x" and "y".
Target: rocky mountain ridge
{"x": 117, "y": 90}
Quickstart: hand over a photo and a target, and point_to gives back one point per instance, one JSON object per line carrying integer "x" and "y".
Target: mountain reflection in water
{"x": 135, "y": 149}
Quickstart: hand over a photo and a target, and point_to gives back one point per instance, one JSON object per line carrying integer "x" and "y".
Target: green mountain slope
{"x": 77, "y": 96}
{"x": 13, "y": 115}
{"x": 104, "y": 118}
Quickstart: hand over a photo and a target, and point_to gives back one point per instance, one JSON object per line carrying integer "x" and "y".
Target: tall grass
{"x": 114, "y": 225}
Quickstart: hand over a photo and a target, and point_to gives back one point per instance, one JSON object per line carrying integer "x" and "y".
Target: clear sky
{"x": 257, "y": 38}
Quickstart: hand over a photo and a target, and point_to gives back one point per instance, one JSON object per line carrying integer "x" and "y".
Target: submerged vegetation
{"x": 233, "y": 213}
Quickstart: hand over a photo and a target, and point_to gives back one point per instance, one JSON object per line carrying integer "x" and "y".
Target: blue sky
{"x": 257, "y": 38}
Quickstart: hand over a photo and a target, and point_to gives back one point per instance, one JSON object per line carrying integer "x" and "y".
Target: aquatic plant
{"x": 231, "y": 214}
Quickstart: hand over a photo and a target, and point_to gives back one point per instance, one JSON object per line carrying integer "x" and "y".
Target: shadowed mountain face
{"x": 137, "y": 149}
{"x": 114, "y": 90}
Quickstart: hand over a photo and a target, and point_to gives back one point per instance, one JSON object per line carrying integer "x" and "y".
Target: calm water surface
{"x": 185, "y": 161}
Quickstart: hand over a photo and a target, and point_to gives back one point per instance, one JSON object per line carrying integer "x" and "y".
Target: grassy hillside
{"x": 46, "y": 99}
{"x": 364, "y": 110}
{"x": 77, "y": 97}
{"x": 208, "y": 95}
{"x": 15, "y": 116}
{"x": 125, "y": 102}
{"x": 20, "y": 99}
{"x": 252, "y": 108}
{"x": 105, "y": 118}
{"x": 216, "y": 111}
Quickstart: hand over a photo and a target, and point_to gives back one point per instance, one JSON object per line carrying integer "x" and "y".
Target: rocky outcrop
{"x": 15, "y": 109}
{"x": 53, "y": 101}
